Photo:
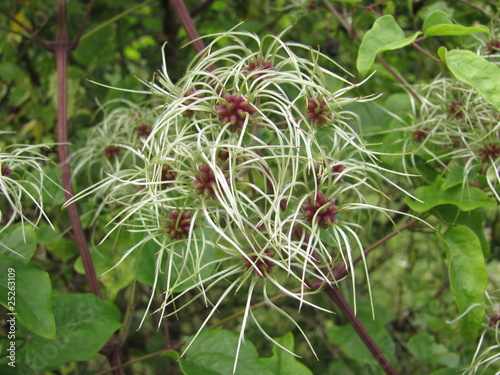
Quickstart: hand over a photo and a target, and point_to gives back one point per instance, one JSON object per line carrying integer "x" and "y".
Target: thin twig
{"x": 482, "y": 9}
{"x": 84, "y": 23}
{"x": 350, "y": 29}
{"x": 40, "y": 40}
{"x": 113, "y": 19}
{"x": 341, "y": 271}
{"x": 425, "y": 52}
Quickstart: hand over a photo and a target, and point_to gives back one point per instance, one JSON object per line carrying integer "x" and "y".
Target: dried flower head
{"x": 111, "y": 152}
{"x": 262, "y": 263}
{"x": 234, "y": 110}
{"x": 320, "y": 210}
{"x": 318, "y": 111}
{"x": 143, "y": 131}
{"x": 178, "y": 225}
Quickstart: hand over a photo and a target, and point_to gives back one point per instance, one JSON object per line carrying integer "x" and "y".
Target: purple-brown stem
{"x": 187, "y": 22}
{"x": 61, "y": 47}
{"x": 337, "y": 297}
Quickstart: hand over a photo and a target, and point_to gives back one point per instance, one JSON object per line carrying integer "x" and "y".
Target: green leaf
{"x": 477, "y": 72}
{"x": 451, "y": 215}
{"x": 19, "y": 369}
{"x": 214, "y": 352}
{"x": 172, "y": 354}
{"x": 18, "y": 241}
{"x": 84, "y": 324}
{"x": 466, "y": 199}
{"x": 458, "y": 175}
{"x": 468, "y": 276}
{"x": 105, "y": 258}
{"x": 385, "y": 35}
{"x": 421, "y": 345}
{"x": 64, "y": 249}
{"x": 45, "y": 235}
{"x": 147, "y": 258}
{"x": 12, "y": 72}
{"x": 442, "y": 54}
{"x": 439, "y": 24}
{"x": 284, "y": 363}
{"x": 90, "y": 50}
{"x": 30, "y": 292}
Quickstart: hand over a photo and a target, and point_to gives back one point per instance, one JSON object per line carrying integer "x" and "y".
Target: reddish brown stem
{"x": 186, "y": 21}
{"x": 61, "y": 47}
{"x": 337, "y": 297}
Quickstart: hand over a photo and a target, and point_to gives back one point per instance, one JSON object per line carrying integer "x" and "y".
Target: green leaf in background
{"x": 214, "y": 352}
{"x": 90, "y": 50}
{"x": 147, "y": 257}
{"x": 32, "y": 296}
{"x": 105, "y": 258}
{"x": 445, "y": 371}
{"x": 425, "y": 350}
{"x": 468, "y": 276}
{"x": 84, "y": 324}
{"x": 467, "y": 198}
{"x": 18, "y": 241}
{"x": 439, "y": 24}
{"x": 284, "y": 363}
{"x": 385, "y": 35}
{"x": 477, "y": 72}
{"x": 45, "y": 235}
{"x": 421, "y": 346}
{"x": 12, "y": 72}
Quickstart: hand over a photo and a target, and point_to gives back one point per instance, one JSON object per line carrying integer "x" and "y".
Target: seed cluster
{"x": 191, "y": 98}
{"x": 455, "y": 110}
{"x": 489, "y": 151}
{"x": 177, "y": 225}
{"x": 234, "y": 110}
{"x": 111, "y": 152}
{"x": 421, "y": 134}
{"x": 318, "y": 111}
{"x": 262, "y": 265}
{"x": 259, "y": 64}
{"x": 494, "y": 320}
{"x": 143, "y": 131}
{"x": 6, "y": 170}
{"x": 204, "y": 181}
{"x": 321, "y": 210}
{"x": 167, "y": 175}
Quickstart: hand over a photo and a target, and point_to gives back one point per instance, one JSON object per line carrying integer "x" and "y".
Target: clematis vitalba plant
{"x": 250, "y": 179}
